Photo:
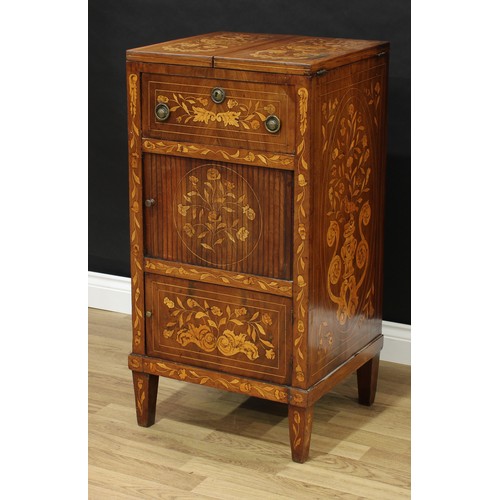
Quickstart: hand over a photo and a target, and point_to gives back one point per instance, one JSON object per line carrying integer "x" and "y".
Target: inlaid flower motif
{"x": 255, "y": 124}
{"x": 365, "y": 213}
{"x": 266, "y": 319}
{"x": 168, "y": 333}
{"x": 215, "y": 213}
{"x": 333, "y": 233}
{"x": 168, "y": 303}
{"x": 362, "y": 254}
{"x": 270, "y": 108}
{"x": 242, "y": 234}
{"x": 183, "y": 209}
{"x": 216, "y": 311}
{"x": 231, "y": 103}
{"x": 302, "y": 180}
{"x": 302, "y": 231}
{"x": 335, "y": 270}
{"x": 270, "y": 354}
{"x": 188, "y": 229}
{"x": 212, "y": 216}
{"x": 182, "y": 374}
{"x": 245, "y": 387}
{"x": 213, "y": 174}
{"x": 249, "y": 212}
{"x": 240, "y": 311}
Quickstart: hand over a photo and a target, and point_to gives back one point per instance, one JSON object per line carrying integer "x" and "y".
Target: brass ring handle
{"x": 272, "y": 124}
{"x": 162, "y": 112}
{"x": 218, "y": 95}
{"x": 149, "y": 202}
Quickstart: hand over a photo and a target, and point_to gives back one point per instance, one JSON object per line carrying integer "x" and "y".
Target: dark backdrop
{"x": 117, "y": 25}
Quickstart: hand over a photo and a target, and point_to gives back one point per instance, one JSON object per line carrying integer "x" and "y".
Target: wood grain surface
{"x": 208, "y": 443}
{"x": 290, "y": 54}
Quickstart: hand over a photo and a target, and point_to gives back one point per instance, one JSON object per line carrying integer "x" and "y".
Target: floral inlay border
{"x": 250, "y": 282}
{"x": 244, "y": 156}
{"x": 231, "y": 383}
{"x": 301, "y": 249}
{"x": 135, "y": 182}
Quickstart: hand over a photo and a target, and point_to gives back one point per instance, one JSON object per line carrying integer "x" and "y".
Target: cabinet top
{"x": 292, "y": 54}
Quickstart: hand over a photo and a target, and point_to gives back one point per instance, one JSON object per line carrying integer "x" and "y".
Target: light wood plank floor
{"x": 208, "y": 443}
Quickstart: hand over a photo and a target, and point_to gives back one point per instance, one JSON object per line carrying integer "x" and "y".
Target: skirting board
{"x": 113, "y": 293}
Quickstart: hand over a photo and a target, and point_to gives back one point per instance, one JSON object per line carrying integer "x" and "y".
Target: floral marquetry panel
{"x": 237, "y": 121}
{"x": 231, "y": 217}
{"x": 349, "y": 231}
{"x": 209, "y": 325}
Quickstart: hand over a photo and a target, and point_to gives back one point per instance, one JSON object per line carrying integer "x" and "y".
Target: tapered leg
{"x": 146, "y": 390}
{"x": 367, "y": 381}
{"x": 300, "y": 427}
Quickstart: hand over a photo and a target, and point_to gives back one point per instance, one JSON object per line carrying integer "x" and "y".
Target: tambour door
{"x": 227, "y": 216}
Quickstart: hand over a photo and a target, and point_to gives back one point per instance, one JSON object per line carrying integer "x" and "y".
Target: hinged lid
{"x": 290, "y": 54}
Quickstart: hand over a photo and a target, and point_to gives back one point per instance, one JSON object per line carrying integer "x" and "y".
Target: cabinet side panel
{"x": 347, "y": 206}
{"x": 135, "y": 197}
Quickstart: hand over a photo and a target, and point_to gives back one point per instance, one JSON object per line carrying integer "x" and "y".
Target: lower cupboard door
{"x": 236, "y": 331}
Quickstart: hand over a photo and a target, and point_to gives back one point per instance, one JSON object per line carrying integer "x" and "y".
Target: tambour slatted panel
{"x": 227, "y": 216}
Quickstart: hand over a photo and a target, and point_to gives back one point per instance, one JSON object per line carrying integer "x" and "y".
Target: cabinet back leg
{"x": 300, "y": 427}
{"x": 367, "y": 381}
{"x": 146, "y": 390}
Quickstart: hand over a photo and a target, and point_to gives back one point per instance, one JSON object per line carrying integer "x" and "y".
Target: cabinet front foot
{"x": 367, "y": 381}
{"x": 300, "y": 427}
{"x": 146, "y": 390}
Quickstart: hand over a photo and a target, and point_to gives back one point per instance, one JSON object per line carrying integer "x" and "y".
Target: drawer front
{"x": 232, "y": 217}
{"x": 238, "y": 121}
{"x": 232, "y": 330}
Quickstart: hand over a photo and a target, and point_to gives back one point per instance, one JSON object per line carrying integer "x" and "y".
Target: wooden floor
{"x": 208, "y": 443}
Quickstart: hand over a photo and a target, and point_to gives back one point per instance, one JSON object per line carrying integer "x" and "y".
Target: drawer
{"x": 238, "y": 121}
{"x": 232, "y": 217}
{"x": 232, "y": 330}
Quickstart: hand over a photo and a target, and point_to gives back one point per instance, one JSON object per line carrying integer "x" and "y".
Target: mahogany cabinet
{"x": 256, "y": 217}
